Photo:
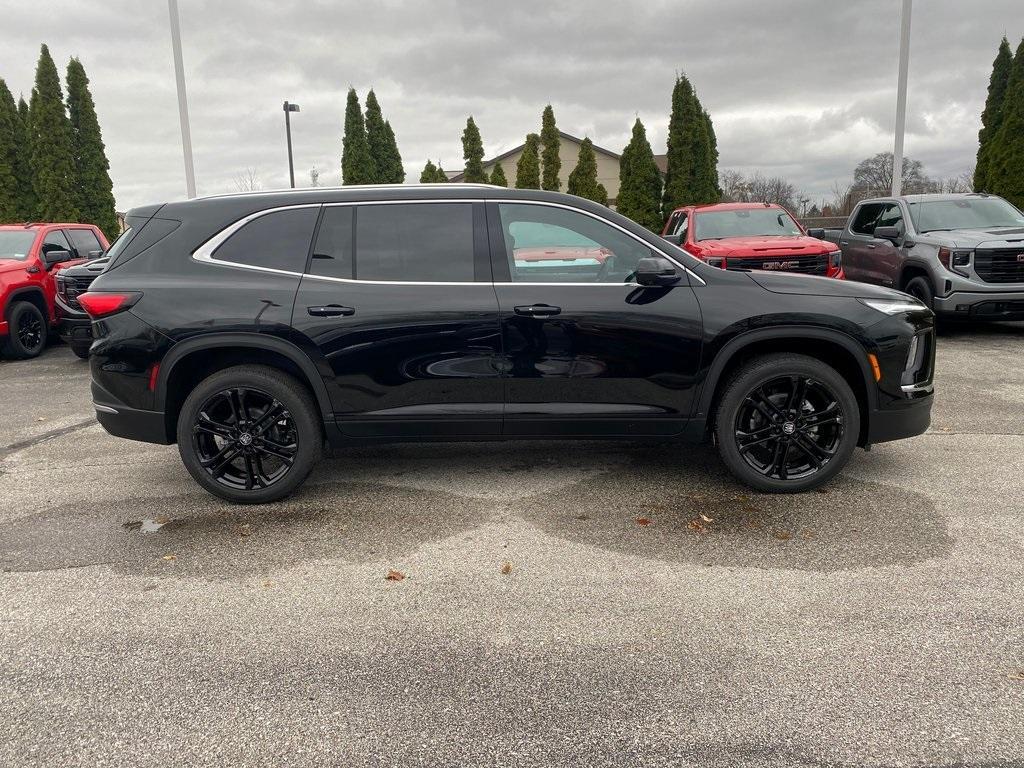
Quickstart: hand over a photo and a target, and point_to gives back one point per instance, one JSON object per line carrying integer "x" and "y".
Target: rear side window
{"x": 332, "y": 254}
{"x": 415, "y": 242}
{"x": 84, "y": 241}
{"x": 278, "y": 240}
{"x": 867, "y": 217}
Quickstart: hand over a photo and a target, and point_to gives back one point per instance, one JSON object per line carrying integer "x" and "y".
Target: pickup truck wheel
{"x": 786, "y": 423}
{"x": 27, "y": 331}
{"x": 921, "y": 289}
{"x": 249, "y": 434}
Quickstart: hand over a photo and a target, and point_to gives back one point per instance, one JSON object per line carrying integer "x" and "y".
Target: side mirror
{"x": 818, "y": 232}
{"x": 892, "y": 234}
{"x": 674, "y": 239}
{"x": 656, "y": 271}
{"x": 95, "y": 254}
{"x": 51, "y": 258}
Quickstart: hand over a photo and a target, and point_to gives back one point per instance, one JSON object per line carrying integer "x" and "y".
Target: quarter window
{"x": 545, "y": 244}
{"x": 415, "y": 242}
{"x": 332, "y": 254}
{"x": 278, "y": 240}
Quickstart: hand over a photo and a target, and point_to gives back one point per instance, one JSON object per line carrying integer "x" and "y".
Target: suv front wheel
{"x": 250, "y": 434}
{"x": 786, "y": 423}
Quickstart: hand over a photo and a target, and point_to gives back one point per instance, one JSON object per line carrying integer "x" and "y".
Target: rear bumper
{"x": 130, "y": 423}
{"x": 75, "y": 330}
{"x": 983, "y": 305}
{"x": 899, "y": 420}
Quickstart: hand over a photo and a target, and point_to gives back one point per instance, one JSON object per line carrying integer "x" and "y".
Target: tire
{"x": 27, "y": 331}
{"x": 264, "y": 459}
{"x": 921, "y": 289}
{"x": 755, "y": 425}
{"x": 81, "y": 350}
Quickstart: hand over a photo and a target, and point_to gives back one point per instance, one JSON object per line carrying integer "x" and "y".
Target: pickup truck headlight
{"x": 893, "y": 306}
{"x": 835, "y": 259}
{"x": 955, "y": 261}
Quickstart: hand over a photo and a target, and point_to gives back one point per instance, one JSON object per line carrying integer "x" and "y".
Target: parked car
{"x": 31, "y": 255}
{"x": 252, "y": 328}
{"x": 961, "y": 255}
{"x": 75, "y": 326}
{"x": 751, "y": 236}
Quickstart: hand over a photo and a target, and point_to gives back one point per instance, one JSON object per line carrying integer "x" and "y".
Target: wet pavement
{"x": 562, "y": 603}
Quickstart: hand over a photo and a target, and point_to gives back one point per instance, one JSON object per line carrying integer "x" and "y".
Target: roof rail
{"x": 255, "y": 192}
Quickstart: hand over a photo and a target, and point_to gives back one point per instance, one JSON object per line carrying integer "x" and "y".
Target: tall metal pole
{"x": 901, "y": 100}
{"x": 179, "y": 75}
{"x": 288, "y": 132}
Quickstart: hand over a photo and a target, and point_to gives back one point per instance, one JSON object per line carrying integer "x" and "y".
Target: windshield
{"x": 964, "y": 213}
{"x": 756, "y": 222}
{"x": 15, "y": 244}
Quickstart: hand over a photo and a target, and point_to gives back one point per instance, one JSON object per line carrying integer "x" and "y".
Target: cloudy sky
{"x": 800, "y": 89}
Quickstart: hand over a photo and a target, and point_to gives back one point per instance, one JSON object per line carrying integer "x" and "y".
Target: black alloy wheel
{"x": 27, "y": 330}
{"x": 786, "y": 423}
{"x": 30, "y": 331}
{"x": 244, "y": 438}
{"x": 789, "y": 427}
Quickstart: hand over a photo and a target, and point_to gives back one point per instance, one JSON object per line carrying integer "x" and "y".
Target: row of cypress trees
{"x": 53, "y": 164}
{"x": 369, "y": 153}
{"x": 644, "y": 196}
{"x": 1000, "y": 164}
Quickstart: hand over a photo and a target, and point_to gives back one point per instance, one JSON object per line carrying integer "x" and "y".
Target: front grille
{"x": 808, "y": 265}
{"x": 70, "y": 288}
{"x": 1000, "y": 265}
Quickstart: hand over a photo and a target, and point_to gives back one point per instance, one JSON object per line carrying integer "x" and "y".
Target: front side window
{"x": 746, "y": 222}
{"x": 278, "y": 240}
{"x": 890, "y": 217}
{"x": 680, "y": 226}
{"x": 866, "y": 218}
{"x": 55, "y": 241}
{"x": 555, "y": 245}
{"x": 415, "y": 242}
{"x": 85, "y": 242}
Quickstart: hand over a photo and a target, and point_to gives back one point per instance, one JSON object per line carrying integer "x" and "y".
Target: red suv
{"x": 751, "y": 236}
{"x": 30, "y": 255}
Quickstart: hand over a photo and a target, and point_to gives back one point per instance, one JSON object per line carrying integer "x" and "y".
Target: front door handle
{"x": 538, "y": 310}
{"x": 331, "y": 310}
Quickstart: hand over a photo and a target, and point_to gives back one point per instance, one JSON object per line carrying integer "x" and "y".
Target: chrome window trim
{"x": 204, "y": 253}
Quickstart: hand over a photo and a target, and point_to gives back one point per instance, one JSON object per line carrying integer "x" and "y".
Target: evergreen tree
{"x": 583, "y": 179}
{"x": 376, "y": 138}
{"x": 394, "y": 170}
{"x": 551, "y": 142}
{"x": 10, "y": 205}
{"x": 679, "y": 173}
{"x": 528, "y": 167}
{"x": 440, "y": 177}
{"x": 23, "y": 165}
{"x": 95, "y": 190}
{"x": 498, "y": 176}
{"x": 51, "y": 146}
{"x": 429, "y": 175}
{"x": 356, "y": 161}
{"x": 640, "y": 182}
{"x": 1006, "y": 170}
{"x": 473, "y": 154}
{"x": 992, "y": 116}
{"x": 710, "y": 127}
{"x": 705, "y": 173}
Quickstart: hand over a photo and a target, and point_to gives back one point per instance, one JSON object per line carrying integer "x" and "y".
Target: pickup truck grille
{"x": 808, "y": 265}
{"x": 70, "y": 288}
{"x": 1000, "y": 265}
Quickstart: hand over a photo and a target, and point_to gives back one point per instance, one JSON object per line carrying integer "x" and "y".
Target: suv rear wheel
{"x": 27, "y": 331}
{"x": 250, "y": 434}
{"x": 786, "y": 423}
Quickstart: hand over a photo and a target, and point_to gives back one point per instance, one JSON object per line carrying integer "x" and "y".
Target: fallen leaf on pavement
{"x": 1018, "y": 675}
{"x": 706, "y": 519}
{"x": 643, "y": 521}
{"x": 267, "y": 583}
{"x": 170, "y": 557}
{"x": 697, "y": 525}
{"x": 782, "y": 535}
{"x": 244, "y": 530}
{"x": 394, "y": 575}
{"x": 506, "y": 568}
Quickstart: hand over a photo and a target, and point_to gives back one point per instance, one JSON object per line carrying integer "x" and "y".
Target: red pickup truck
{"x": 751, "y": 236}
{"x": 30, "y": 256}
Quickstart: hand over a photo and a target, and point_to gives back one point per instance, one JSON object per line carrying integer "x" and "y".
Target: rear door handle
{"x": 331, "y": 310}
{"x": 537, "y": 310}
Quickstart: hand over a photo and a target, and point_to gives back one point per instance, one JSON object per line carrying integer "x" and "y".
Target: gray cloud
{"x": 804, "y": 89}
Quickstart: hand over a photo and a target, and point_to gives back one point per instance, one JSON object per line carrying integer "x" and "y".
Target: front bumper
{"x": 907, "y": 418}
{"x": 983, "y": 305}
{"x": 75, "y": 330}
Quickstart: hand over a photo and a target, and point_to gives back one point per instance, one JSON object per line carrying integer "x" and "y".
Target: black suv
{"x": 255, "y": 329}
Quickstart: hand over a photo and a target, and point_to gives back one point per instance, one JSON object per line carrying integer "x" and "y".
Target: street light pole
{"x": 901, "y": 100}
{"x": 179, "y": 76}
{"x": 288, "y": 109}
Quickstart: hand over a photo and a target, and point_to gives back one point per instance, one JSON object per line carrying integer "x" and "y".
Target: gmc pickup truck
{"x": 961, "y": 254}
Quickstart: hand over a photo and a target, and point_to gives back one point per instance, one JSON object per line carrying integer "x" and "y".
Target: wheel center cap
{"x": 789, "y": 427}
{"x": 245, "y": 438}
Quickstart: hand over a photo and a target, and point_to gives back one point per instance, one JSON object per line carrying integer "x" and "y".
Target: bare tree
{"x": 873, "y": 175}
{"x": 758, "y": 188}
{"x": 962, "y": 183}
{"x": 248, "y": 181}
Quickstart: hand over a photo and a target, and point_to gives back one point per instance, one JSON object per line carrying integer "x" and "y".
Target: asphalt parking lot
{"x": 540, "y": 621}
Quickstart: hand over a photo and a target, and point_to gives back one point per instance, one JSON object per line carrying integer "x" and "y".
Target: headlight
{"x": 893, "y": 306}
{"x": 835, "y": 259}
{"x": 955, "y": 261}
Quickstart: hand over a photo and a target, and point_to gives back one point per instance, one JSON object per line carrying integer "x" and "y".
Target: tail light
{"x": 99, "y": 304}
{"x": 955, "y": 261}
